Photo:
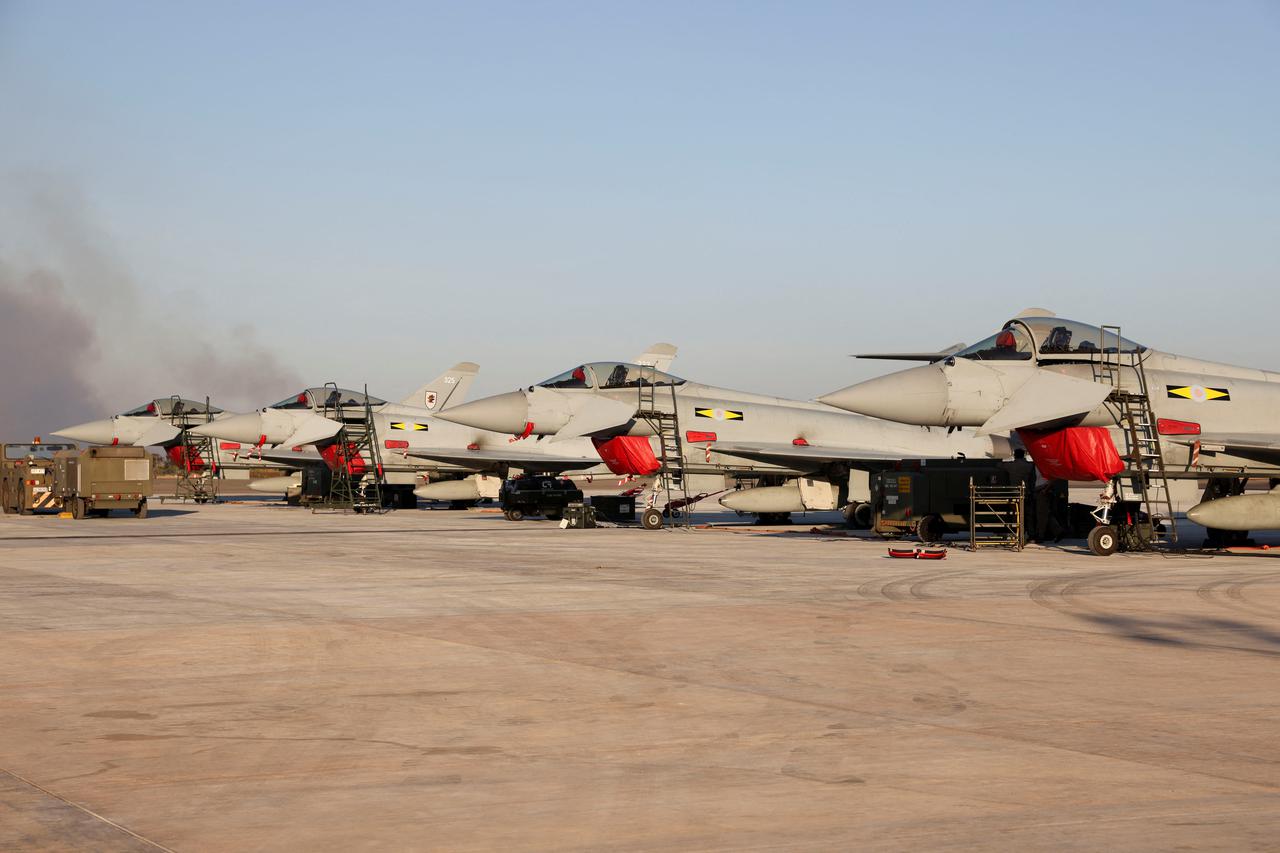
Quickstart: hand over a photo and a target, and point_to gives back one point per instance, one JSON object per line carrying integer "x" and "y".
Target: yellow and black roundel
{"x": 1197, "y": 393}
{"x": 409, "y": 425}
{"x": 718, "y": 414}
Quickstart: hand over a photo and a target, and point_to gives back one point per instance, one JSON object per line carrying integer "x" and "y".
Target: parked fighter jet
{"x": 414, "y": 442}
{"x": 161, "y": 423}
{"x": 721, "y": 432}
{"x": 1045, "y": 373}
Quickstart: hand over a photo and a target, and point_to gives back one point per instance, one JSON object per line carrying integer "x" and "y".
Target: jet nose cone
{"x": 94, "y": 432}
{"x": 914, "y": 396}
{"x": 501, "y": 413}
{"x": 245, "y": 429}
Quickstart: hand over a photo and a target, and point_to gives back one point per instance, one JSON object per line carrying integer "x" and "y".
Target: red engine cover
{"x": 627, "y": 454}
{"x": 1074, "y": 453}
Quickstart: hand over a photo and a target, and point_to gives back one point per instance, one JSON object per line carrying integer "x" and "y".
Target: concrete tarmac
{"x": 255, "y": 677}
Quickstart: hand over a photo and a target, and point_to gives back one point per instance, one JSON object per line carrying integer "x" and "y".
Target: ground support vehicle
{"x": 94, "y": 481}
{"x": 537, "y": 494}
{"x": 930, "y": 498}
{"x": 26, "y": 477}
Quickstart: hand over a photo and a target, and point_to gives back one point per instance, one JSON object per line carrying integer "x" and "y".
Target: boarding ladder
{"x": 669, "y": 481}
{"x": 1144, "y": 472}
{"x": 198, "y": 468}
{"x": 358, "y": 475}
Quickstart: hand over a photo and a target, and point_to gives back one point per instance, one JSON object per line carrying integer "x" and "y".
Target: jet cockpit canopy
{"x": 1048, "y": 337}
{"x": 170, "y": 406}
{"x": 610, "y": 374}
{"x": 327, "y": 397}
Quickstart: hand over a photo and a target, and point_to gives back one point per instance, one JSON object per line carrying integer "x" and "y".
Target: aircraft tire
{"x": 931, "y": 528}
{"x": 1103, "y": 540}
{"x": 858, "y": 516}
{"x": 651, "y": 519}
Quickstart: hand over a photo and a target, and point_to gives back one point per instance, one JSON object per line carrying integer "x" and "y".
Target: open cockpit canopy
{"x": 610, "y": 374}
{"x": 1048, "y": 338}
{"x": 327, "y": 397}
{"x": 170, "y": 406}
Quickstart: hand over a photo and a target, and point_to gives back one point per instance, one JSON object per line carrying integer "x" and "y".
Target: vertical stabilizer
{"x": 658, "y": 356}
{"x": 448, "y": 389}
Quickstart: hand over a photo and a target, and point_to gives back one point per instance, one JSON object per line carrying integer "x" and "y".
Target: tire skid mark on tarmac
{"x": 1070, "y": 596}
{"x": 908, "y": 588}
{"x": 1229, "y": 594}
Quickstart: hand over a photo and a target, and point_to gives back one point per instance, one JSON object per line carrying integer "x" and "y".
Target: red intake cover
{"x": 334, "y": 456}
{"x": 627, "y": 454}
{"x": 188, "y": 462}
{"x": 1074, "y": 453}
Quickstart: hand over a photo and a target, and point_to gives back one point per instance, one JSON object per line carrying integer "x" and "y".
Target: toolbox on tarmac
{"x": 578, "y": 516}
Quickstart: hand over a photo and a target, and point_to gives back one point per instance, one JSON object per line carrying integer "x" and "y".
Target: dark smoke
{"x": 46, "y": 346}
{"x": 79, "y": 341}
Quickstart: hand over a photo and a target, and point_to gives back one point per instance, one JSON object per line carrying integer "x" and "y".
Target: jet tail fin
{"x": 658, "y": 356}
{"x": 448, "y": 389}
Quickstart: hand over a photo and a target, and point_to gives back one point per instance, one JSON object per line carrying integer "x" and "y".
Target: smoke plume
{"x": 79, "y": 340}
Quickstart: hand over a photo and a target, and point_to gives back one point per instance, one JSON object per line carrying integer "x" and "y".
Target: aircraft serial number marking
{"x": 1197, "y": 393}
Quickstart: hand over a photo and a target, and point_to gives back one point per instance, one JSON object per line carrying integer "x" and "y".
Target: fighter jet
{"x": 160, "y": 423}
{"x": 461, "y": 464}
{"x": 722, "y": 432}
{"x": 1046, "y": 374}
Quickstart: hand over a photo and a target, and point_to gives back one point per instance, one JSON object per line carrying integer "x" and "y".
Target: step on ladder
{"x": 669, "y": 482}
{"x": 198, "y": 473}
{"x": 1144, "y": 475}
{"x": 997, "y": 516}
{"x": 358, "y": 475}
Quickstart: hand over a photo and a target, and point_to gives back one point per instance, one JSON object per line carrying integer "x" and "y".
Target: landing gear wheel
{"x": 1103, "y": 540}
{"x": 931, "y": 528}
{"x": 513, "y": 514}
{"x": 858, "y": 516}
{"x": 651, "y": 519}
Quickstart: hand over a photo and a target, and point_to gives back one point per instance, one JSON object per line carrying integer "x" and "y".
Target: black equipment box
{"x": 619, "y": 509}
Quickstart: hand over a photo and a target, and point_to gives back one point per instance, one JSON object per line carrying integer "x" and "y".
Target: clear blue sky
{"x": 769, "y": 185}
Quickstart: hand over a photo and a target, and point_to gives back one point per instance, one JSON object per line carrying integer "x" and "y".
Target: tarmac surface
{"x": 250, "y": 676}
